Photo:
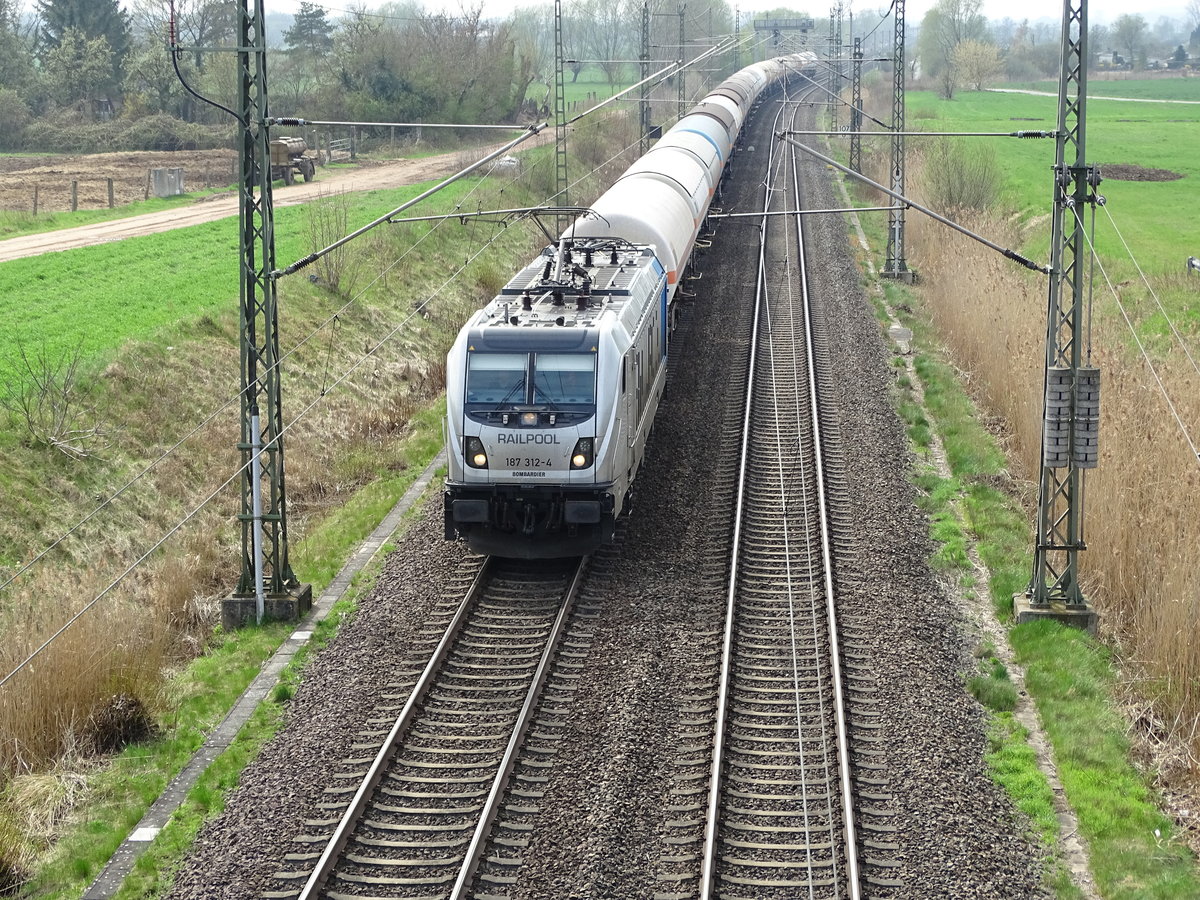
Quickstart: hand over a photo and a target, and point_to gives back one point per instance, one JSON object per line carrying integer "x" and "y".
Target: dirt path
{"x": 386, "y": 175}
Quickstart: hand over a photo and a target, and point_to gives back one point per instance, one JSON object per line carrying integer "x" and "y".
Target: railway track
{"x": 778, "y": 792}
{"x": 413, "y": 817}
{"x": 791, "y": 777}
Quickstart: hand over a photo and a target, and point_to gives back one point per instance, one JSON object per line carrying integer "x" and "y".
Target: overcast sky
{"x": 1099, "y": 11}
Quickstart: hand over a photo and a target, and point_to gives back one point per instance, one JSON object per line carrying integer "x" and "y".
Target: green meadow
{"x": 97, "y": 298}
{"x": 1157, "y": 218}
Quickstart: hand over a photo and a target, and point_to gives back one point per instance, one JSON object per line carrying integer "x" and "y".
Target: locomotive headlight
{"x": 475, "y": 453}
{"x": 529, "y": 419}
{"x": 581, "y": 456}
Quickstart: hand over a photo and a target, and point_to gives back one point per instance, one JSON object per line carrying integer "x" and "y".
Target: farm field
{"x": 986, "y": 318}
{"x": 53, "y": 176}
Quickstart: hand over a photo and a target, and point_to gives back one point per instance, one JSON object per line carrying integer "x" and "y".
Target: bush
{"x": 161, "y": 132}
{"x": 66, "y": 131}
{"x": 958, "y": 177}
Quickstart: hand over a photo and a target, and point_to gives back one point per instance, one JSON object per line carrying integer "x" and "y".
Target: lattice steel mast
{"x": 644, "y": 108}
{"x": 560, "y": 121}
{"x": 856, "y": 102}
{"x": 894, "y": 265}
{"x": 681, "y": 75}
{"x": 260, "y": 376}
{"x": 1072, "y": 400}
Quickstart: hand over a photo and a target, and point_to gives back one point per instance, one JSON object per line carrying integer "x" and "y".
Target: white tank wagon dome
{"x": 682, "y": 137}
{"x": 643, "y": 210}
{"x": 680, "y": 170}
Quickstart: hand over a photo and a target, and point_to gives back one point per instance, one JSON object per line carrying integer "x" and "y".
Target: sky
{"x": 1099, "y": 12}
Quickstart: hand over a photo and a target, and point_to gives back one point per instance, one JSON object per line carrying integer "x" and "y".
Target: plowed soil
{"x": 1129, "y": 172}
{"x": 129, "y": 171}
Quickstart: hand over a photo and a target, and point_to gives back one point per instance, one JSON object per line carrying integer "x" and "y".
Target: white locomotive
{"x": 551, "y": 388}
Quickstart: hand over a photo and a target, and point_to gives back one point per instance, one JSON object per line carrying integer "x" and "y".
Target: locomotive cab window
{"x": 496, "y": 377}
{"x": 564, "y": 379}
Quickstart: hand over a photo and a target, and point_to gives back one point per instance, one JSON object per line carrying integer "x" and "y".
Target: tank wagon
{"x": 551, "y": 389}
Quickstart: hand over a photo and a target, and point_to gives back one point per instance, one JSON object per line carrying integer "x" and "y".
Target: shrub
{"x": 957, "y": 177}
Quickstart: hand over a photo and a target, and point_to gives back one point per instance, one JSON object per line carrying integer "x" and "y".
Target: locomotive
{"x": 551, "y": 389}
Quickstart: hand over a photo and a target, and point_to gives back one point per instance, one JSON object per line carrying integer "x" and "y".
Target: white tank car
{"x": 552, "y": 388}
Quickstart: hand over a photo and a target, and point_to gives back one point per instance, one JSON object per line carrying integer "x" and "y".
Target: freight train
{"x": 551, "y": 389}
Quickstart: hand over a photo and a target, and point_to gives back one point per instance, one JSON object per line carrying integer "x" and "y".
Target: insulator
{"x": 558, "y": 298}
{"x": 1056, "y": 427}
{"x": 526, "y": 302}
{"x": 1087, "y": 418}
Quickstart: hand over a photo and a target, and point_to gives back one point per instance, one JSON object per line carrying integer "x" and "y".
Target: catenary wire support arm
{"x": 313, "y": 257}
{"x": 798, "y": 212}
{"x": 296, "y": 121}
{"x": 912, "y": 204}
{"x": 1011, "y": 134}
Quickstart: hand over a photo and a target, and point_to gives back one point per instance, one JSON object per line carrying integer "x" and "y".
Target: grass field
{"x": 98, "y": 298}
{"x": 1157, "y": 217}
{"x": 158, "y": 316}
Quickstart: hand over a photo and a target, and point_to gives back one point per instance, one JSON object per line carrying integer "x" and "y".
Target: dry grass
{"x": 351, "y": 395}
{"x": 167, "y": 609}
{"x": 1141, "y": 524}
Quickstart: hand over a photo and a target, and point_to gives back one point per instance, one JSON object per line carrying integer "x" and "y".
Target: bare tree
{"x": 47, "y": 395}
{"x": 605, "y": 31}
{"x": 947, "y": 24}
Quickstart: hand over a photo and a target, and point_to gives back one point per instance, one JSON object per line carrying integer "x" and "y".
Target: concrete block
{"x": 242, "y": 609}
{"x": 1084, "y": 617}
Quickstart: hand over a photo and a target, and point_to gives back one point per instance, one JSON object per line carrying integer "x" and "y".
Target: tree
{"x": 1129, "y": 33}
{"x": 977, "y": 63}
{"x": 91, "y": 20}
{"x": 311, "y": 33}
{"x": 16, "y": 54}
{"x": 947, "y": 24}
{"x": 76, "y": 69}
{"x": 198, "y": 24}
{"x": 603, "y": 29}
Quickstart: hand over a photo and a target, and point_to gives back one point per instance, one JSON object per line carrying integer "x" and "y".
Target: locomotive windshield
{"x": 554, "y": 382}
{"x": 564, "y": 379}
{"x": 496, "y": 377}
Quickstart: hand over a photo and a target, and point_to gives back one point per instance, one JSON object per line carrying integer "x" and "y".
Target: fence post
{"x": 35, "y": 199}
{"x": 74, "y": 195}
{"x": 353, "y": 142}
{"x": 111, "y": 204}
{"x": 147, "y": 196}
{"x": 393, "y": 130}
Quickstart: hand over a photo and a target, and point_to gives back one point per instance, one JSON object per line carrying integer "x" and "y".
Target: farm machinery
{"x": 289, "y": 157}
